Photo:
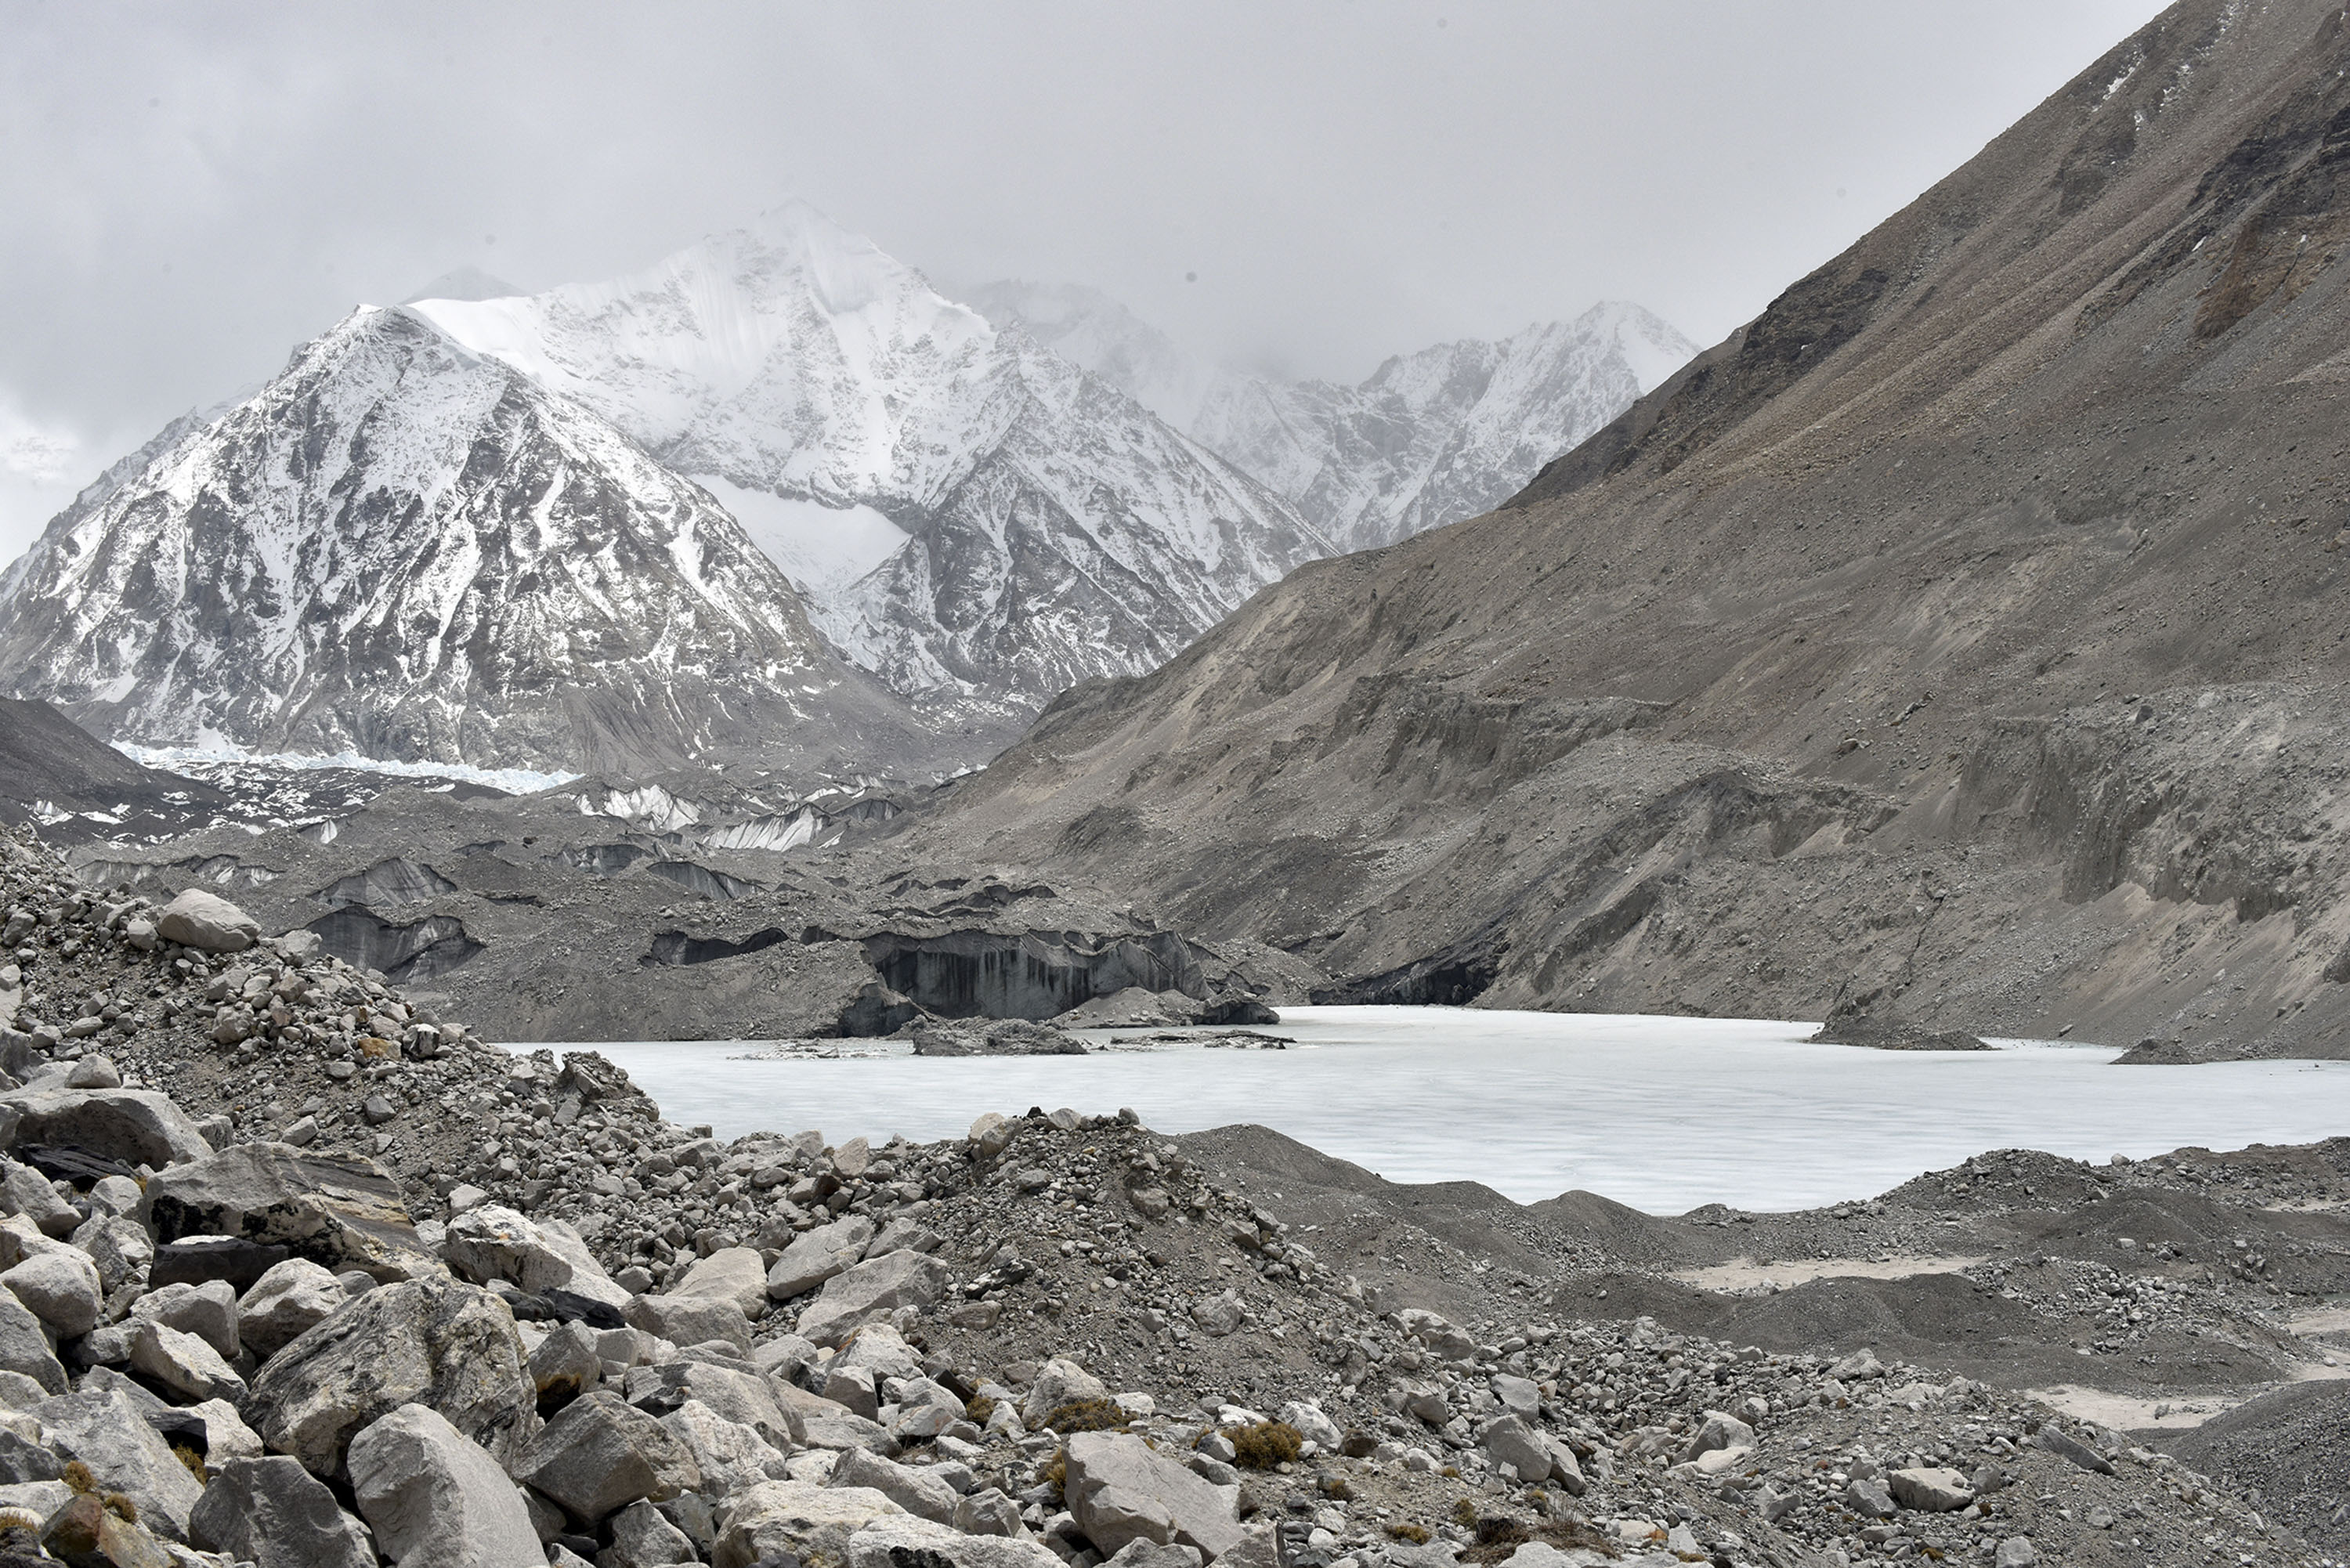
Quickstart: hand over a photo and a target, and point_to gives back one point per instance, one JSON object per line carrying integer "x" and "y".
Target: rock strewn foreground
{"x": 449, "y": 1306}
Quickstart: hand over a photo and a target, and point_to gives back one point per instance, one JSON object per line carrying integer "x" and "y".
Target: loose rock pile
{"x": 357, "y": 1287}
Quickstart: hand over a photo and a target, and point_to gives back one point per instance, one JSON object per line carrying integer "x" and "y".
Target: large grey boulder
{"x": 338, "y": 1212}
{"x": 274, "y": 1514}
{"x": 822, "y": 1423}
{"x": 566, "y": 1363}
{"x": 183, "y": 1363}
{"x": 60, "y": 1286}
{"x": 728, "y": 1275}
{"x": 1514, "y": 1443}
{"x": 207, "y": 922}
{"x": 208, "y": 1311}
{"x": 435, "y": 1500}
{"x": 917, "y": 1492}
{"x": 136, "y": 1126}
{"x": 875, "y": 1288}
{"x": 691, "y": 1320}
{"x": 642, "y": 1538}
{"x": 120, "y": 1248}
{"x": 760, "y": 1403}
{"x": 805, "y": 1519}
{"x": 1930, "y": 1490}
{"x": 817, "y": 1255}
{"x": 286, "y": 1300}
{"x": 1119, "y": 1488}
{"x": 25, "y": 1192}
{"x": 495, "y": 1242}
{"x": 105, "y": 1429}
{"x": 731, "y": 1457}
{"x": 601, "y": 1453}
{"x": 24, "y": 1348}
{"x": 893, "y": 1542}
{"x": 439, "y": 1344}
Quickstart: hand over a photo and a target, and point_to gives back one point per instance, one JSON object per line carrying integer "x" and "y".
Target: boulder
{"x": 59, "y": 1286}
{"x": 336, "y": 1210}
{"x": 25, "y": 1347}
{"x": 1312, "y": 1424}
{"x": 274, "y": 1514}
{"x": 817, "y": 1255}
{"x": 106, "y": 1429}
{"x": 288, "y": 1299}
{"x": 24, "y": 1190}
{"x": 691, "y": 1320}
{"x": 797, "y": 1518}
{"x": 135, "y": 1126}
{"x": 439, "y": 1343}
{"x": 1514, "y": 1443}
{"x": 732, "y": 1457}
{"x": 1119, "y": 1488}
{"x": 434, "y": 1498}
{"x": 895, "y": 1542}
{"x": 207, "y": 922}
{"x": 824, "y": 1424}
{"x": 600, "y": 1454}
{"x": 917, "y": 1492}
{"x": 226, "y": 1437}
{"x": 1058, "y": 1383}
{"x": 875, "y": 1288}
{"x": 23, "y": 1460}
{"x": 566, "y": 1364}
{"x": 86, "y": 1531}
{"x": 207, "y": 1311}
{"x": 120, "y": 1248}
{"x": 1718, "y": 1430}
{"x": 1867, "y": 1497}
{"x": 641, "y": 1538}
{"x": 728, "y": 1275}
{"x": 1930, "y": 1490}
{"x": 193, "y": 1260}
{"x": 881, "y": 1350}
{"x": 183, "y": 1363}
{"x": 755, "y": 1401}
{"x": 491, "y": 1241}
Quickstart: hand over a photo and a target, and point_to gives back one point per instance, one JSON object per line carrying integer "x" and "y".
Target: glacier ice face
{"x": 403, "y": 549}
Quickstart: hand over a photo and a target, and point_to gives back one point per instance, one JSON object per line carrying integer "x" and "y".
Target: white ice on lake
{"x": 1664, "y": 1114}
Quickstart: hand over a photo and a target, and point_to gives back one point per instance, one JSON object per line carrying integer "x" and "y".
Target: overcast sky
{"x": 189, "y": 191}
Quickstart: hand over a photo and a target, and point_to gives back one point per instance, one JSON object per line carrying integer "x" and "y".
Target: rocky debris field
{"x": 296, "y": 1272}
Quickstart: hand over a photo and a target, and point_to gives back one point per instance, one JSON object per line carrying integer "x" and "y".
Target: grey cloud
{"x": 193, "y": 190}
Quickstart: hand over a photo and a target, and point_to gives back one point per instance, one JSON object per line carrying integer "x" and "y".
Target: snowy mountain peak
{"x": 1102, "y": 337}
{"x": 404, "y": 549}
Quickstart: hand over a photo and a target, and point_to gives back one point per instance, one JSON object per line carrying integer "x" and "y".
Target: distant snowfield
{"x": 822, "y": 548}
{"x": 1664, "y": 1114}
{"x": 179, "y": 759}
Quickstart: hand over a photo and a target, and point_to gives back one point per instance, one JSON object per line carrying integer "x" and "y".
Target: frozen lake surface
{"x": 1663, "y": 1114}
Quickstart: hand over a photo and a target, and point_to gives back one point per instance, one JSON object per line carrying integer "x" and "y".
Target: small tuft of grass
{"x": 1264, "y": 1444}
{"x": 77, "y": 1476}
{"x": 1499, "y": 1538}
{"x": 1086, "y": 1416}
{"x": 1404, "y": 1530}
{"x": 1464, "y": 1512}
{"x": 979, "y": 1408}
{"x": 186, "y": 1454}
{"x": 1055, "y": 1473}
{"x": 122, "y": 1507}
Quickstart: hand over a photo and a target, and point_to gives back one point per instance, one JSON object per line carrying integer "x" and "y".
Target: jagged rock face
{"x": 1966, "y": 628}
{"x": 401, "y": 548}
{"x": 975, "y": 516}
{"x": 1446, "y": 433}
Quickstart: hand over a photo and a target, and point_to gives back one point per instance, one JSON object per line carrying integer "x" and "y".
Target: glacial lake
{"x": 1663, "y": 1114}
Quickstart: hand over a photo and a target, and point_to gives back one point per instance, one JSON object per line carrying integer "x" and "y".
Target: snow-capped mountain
{"x": 974, "y": 518}
{"x": 1442, "y": 434}
{"x": 1100, "y": 335}
{"x": 404, "y": 549}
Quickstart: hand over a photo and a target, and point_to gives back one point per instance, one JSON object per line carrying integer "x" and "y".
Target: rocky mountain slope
{"x": 1963, "y": 635}
{"x": 975, "y": 518}
{"x": 299, "y": 1273}
{"x": 1443, "y": 434}
{"x": 403, "y": 549}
